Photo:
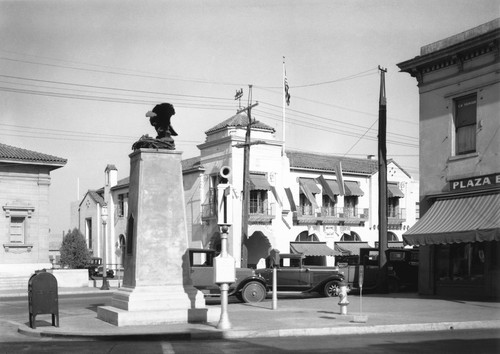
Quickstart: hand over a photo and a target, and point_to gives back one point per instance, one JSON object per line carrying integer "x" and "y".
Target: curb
{"x": 197, "y": 334}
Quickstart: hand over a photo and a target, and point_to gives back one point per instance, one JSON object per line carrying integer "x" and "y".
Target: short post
{"x": 343, "y": 303}
{"x": 275, "y": 262}
{"x": 225, "y": 274}
{"x": 104, "y": 216}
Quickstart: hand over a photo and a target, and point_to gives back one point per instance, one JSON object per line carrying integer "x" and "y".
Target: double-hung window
{"x": 465, "y": 124}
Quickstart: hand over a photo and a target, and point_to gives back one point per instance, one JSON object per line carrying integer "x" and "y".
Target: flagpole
{"x": 284, "y": 108}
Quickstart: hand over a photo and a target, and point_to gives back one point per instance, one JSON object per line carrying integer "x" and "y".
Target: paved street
{"x": 457, "y": 342}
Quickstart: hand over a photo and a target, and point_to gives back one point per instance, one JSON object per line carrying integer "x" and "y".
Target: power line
{"x": 112, "y": 99}
{"x": 347, "y": 124}
{"x": 150, "y": 76}
{"x": 113, "y": 88}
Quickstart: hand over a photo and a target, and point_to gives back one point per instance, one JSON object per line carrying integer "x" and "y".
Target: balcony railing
{"x": 307, "y": 214}
{"x": 396, "y": 215}
{"x": 261, "y": 213}
{"x": 208, "y": 211}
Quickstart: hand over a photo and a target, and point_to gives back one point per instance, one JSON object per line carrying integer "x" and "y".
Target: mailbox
{"x": 43, "y": 297}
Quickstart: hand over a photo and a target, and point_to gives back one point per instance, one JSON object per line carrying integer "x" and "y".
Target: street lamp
{"x": 104, "y": 216}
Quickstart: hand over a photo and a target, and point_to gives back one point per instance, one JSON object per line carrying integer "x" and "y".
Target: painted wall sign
{"x": 487, "y": 181}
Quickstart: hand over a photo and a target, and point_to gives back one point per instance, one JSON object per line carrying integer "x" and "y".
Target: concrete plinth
{"x": 156, "y": 284}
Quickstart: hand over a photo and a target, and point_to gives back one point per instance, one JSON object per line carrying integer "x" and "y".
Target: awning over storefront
{"x": 392, "y": 244}
{"x": 352, "y": 189}
{"x": 350, "y": 248}
{"x": 309, "y": 188}
{"x": 312, "y": 249}
{"x": 259, "y": 182}
{"x": 330, "y": 187}
{"x": 455, "y": 220}
{"x": 393, "y": 191}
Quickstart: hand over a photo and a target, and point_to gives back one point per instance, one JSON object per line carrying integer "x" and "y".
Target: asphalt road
{"x": 457, "y": 342}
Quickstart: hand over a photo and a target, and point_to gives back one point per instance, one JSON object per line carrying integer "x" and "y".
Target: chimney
{"x": 111, "y": 176}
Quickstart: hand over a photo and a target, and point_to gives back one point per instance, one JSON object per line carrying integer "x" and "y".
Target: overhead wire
{"x": 196, "y": 105}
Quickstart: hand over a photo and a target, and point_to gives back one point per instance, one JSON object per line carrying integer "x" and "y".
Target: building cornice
{"x": 453, "y": 55}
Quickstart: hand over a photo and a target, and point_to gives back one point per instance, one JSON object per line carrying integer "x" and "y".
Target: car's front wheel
{"x": 253, "y": 292}
{"x": 331, "y": 289}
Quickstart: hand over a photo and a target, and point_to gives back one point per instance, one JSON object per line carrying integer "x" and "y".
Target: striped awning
{"x": 330, "y": 187}
{"x": 309, "y": 188}
{"x": 312, "y": 249}
{"x": 459, "y": 219}
{"x": 289, "y": 196}
{"x": 351, "y": 248}
{"x": 259, "y": 182}
{"x": 352, "y": 189}
{"x": 276, "y": 196}
{"x": 393, "y": 191}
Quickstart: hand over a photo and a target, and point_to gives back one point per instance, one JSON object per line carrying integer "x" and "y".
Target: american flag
{"x": 287, "y": 94}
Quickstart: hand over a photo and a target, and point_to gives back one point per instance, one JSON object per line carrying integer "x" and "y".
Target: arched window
{"x": 304, "y": 236}
{"x": 391, "y": 236}
{"x": 353, "y": 236}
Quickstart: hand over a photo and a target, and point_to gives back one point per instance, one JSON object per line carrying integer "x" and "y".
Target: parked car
{"x": 402, "y": 268}
{"x": 293, "y": 275}
{"x": 366, "y": 264}
{"x": 248, "y": 286}
{"x": 95, "y": 269}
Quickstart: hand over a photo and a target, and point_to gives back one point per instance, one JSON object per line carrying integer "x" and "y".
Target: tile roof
{"x": 191, "y": 163}
{"x": 120, "y": 184}
{"x": 14, "y": 154}
{"x": 317, "y": 161}
{"x": 239, "y": 120}
{"x": 96, "y": 197}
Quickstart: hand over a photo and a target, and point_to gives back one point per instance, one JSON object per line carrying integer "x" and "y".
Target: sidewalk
{"x": 297, "y": 315}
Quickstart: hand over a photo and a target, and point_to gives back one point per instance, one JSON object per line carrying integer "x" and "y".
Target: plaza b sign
{"x": 477, "y": 182}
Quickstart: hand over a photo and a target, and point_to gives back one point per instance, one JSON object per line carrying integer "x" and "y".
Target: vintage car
{"x": 402, "y": 269}
{"x": 293, "y": 275}
{"x": 95, "y": 269}
{"x": 248, "y": 286}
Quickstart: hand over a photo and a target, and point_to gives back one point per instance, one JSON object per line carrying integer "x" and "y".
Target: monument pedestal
{"x": 157, "y": 288}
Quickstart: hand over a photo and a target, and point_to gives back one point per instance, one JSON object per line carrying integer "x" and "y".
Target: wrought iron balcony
{"x": 208, "y": 211}
{"x": 306, "y": 214}
{"x": 261, "y": 213}
{"x": 396, "y": 216}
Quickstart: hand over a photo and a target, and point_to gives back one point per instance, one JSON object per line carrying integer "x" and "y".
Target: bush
{"x": 74, "y": 251}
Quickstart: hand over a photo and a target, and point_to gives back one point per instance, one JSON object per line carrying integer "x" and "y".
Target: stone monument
{"x": 157, "y": 288}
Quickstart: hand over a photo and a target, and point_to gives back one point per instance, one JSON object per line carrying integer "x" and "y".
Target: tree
{"x": 74, "y": 251}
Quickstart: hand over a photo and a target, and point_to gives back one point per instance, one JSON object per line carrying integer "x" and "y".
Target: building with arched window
{"x": 298, "y": 201}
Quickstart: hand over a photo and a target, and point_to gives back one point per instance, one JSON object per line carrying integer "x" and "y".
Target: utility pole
{"x": 382, "y": 184}
{"x": 246, "y": 178}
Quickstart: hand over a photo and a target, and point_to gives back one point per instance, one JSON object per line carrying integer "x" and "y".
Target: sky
{"x": 77, "y": 77}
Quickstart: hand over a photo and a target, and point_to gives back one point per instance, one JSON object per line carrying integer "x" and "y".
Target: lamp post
{"x": 104, "y": 216}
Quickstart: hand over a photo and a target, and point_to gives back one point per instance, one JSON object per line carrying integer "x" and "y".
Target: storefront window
{"x": 462, "y": 261}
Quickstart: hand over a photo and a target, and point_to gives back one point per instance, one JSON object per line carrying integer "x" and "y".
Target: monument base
{"x": 150, "y": 305}
{"x": 121, "y": 318}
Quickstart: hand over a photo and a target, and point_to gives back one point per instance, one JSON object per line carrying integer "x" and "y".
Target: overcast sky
{"x": 77, "y": 77}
